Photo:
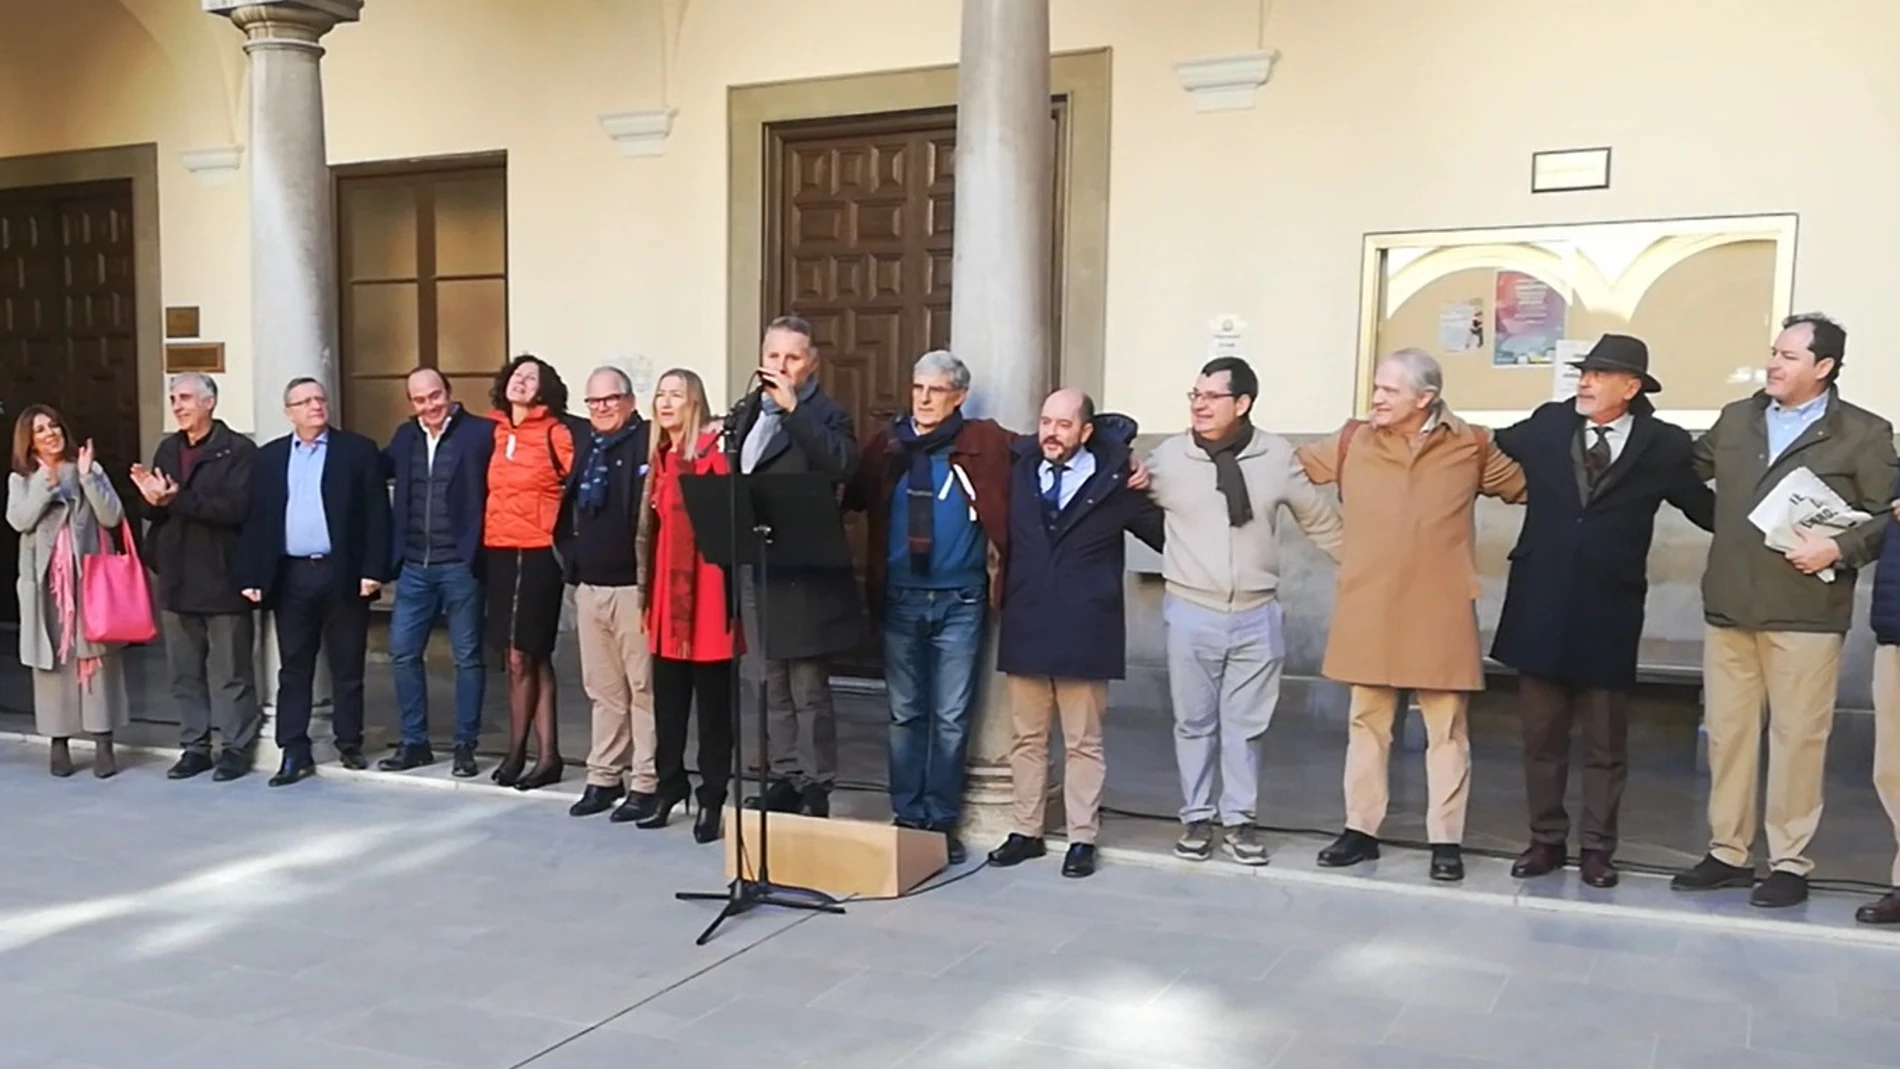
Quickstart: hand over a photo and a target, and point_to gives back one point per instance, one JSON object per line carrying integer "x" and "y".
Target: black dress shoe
{"x": 815, "y": 800}
{"x": 1350, "y": 848}
{"x": 190, "y": 763}
{"x": 1597, "y": 869}
{"x": 509, "y": 771}
{"x": 1017, "y": 849}
{"x": 638, "y": 807}
{"x": 232, "y": 764}
{"x": 464, "y": 766}
{"x": 1448, "y": 863}
{"x": 1885, "y": 911}
{"x": 407, "y": 756}
{"x": 351, "y": 757}
{"x": 709, "y": 826}
{"x": 1710, "y": 874}
{"x": 953, "y": 849}
{"x": 294, "y": 769}
{"x": 1540, "y": 859}
{"x": 1079, "y": 862}
{"x": 780, "y": 797}
{"x": 596, "y": 799}
{"x": 1779, "y": 891}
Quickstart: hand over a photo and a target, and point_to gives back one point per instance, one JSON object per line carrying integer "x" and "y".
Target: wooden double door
{"x": 860, "y": 215}
{"x": 69, "y": 325}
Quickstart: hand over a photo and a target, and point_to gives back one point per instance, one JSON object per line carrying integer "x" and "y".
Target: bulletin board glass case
{"x": 1506, "y": 310}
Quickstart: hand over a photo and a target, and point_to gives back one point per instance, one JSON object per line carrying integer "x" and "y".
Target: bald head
{"x": 429, "y": 398}
{"x": 1068, "y": 418}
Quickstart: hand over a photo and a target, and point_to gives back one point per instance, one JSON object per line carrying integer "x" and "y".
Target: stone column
{"x": 293, "y": 232}
{"x": 1000, "y": 278}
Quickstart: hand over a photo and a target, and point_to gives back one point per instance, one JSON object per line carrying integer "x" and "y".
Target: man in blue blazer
{"x": 1063, "y": 638}
{"x": 315, "y": 551}
{"x": 439, "y": 461}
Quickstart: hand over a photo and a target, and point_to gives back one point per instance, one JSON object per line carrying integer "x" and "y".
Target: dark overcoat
{"x": 1062, "y": 586}
{"x": 1573, "y": 608}
{"x": 818, "y": 612}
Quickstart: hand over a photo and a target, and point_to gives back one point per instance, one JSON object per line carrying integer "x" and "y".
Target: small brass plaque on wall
{"x": 181, "y": 322}
{"x": 206, "y": 357}
{"x": 1570, "y": 170}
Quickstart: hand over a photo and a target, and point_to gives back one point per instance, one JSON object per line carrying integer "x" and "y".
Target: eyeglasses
{"x": 1197, "y": 396}
{"x": 926, "y": 390}
{"x": 603, "y": 402}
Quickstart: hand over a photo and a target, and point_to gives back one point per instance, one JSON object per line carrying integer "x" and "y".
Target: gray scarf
{"x": 766, "y": 428}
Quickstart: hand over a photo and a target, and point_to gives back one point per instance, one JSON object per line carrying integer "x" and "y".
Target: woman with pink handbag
{"x": 61, "y": 502}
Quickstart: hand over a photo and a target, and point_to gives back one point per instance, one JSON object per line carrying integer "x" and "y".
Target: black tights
{"x": 531, "y": 703}
{"x": 677, "y": 687}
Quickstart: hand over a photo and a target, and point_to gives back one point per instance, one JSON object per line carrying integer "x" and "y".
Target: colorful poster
{"x": 1461, "y": 326}
{"x": 1530, "y": 321}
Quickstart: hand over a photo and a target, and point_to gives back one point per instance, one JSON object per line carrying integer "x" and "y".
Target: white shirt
{"x": 1618, "y": 434}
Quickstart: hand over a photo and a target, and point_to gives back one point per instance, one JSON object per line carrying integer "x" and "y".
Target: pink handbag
{"x": 115, "y": 599}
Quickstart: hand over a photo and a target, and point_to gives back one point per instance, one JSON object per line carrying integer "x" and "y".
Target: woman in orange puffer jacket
{"x": 534, "y": 451}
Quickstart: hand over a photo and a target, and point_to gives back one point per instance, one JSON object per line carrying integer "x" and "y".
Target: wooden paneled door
{"x": 859, "y": 220}
{"x": 68, "y": 324}
{"x": 422, "y": 259}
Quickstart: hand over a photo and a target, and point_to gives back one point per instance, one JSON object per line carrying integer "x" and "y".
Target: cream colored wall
{"x": 1383, "y": 115}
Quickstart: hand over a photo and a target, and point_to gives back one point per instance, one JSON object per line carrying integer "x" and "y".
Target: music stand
{"x": 769, "y": 522}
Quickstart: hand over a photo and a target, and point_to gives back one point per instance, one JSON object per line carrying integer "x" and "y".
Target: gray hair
{"x": 304, "y": 380}
{"x": 1422, "y": 372}
{"x": 205, "y": 383}
{"x": 626, "y": 380}
{"x": 794, "y": 325}
{"x": 943, "y": 362}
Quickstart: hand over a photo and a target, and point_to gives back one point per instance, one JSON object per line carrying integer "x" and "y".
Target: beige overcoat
{"x": 1406, "y": 612}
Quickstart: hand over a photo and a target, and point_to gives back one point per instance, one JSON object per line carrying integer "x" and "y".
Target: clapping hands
{"x": 155, "y": 486}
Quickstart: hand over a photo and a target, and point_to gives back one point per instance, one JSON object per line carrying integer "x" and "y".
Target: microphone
{"x": 751, "y": 397}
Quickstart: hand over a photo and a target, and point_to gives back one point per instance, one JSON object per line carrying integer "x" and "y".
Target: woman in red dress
{"x": 689, "y": 628}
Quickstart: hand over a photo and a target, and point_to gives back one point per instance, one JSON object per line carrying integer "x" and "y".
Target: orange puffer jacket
{"x": 525, "y": 475}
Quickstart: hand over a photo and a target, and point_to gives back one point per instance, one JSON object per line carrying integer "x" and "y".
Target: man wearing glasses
{"x": 1221, "y": 486}
{"x": 599, "y": 513}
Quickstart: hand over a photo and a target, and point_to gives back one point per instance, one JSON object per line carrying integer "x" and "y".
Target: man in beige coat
{"x": 1405, "y": 617}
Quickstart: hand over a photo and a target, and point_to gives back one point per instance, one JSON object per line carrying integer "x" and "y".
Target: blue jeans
{"x": 422, "y": 593}
{"x": 932, "y": 639}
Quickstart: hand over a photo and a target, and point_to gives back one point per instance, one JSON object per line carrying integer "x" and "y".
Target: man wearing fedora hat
{"x": 1598, "y": 467}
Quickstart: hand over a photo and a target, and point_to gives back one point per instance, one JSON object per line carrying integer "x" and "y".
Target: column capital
{"x": 286, "y": 23}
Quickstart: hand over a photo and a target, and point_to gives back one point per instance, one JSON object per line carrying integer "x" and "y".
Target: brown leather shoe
{"x": 1541, "y": 859}
{"x": 1597, "y": 869}
{"x": 1885, "y": 911}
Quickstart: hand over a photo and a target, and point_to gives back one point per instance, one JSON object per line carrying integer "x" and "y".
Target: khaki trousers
{"x": 1447, "y": 760}
{"x": 1794, "y": 673}
{"x": 1033, "y": 702}
{"x": 1887, "y": 738}
{"x": 616, "y": 672}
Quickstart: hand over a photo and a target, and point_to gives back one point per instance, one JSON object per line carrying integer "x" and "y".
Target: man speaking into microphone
{"x": 788, "y": 427}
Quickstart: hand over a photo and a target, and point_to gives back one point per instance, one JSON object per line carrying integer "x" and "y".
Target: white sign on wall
{"x": 1225, "y": 334}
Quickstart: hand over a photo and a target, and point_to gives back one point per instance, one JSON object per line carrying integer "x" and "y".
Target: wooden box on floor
{"x": 838, "y": 857}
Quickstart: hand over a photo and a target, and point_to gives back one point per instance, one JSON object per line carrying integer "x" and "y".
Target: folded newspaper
{"x": 1802, "y": 502}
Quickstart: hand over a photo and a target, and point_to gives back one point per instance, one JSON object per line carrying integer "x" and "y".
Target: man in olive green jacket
{"x": 1775, "y": 626}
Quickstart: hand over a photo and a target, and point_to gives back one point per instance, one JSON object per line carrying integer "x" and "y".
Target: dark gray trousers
{"x": 213, "y": 664}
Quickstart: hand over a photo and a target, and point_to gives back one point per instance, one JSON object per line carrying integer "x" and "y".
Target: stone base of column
{"x": 988, "y": 806}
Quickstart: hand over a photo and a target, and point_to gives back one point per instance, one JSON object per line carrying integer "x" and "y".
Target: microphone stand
{"x": 743, "y": 893}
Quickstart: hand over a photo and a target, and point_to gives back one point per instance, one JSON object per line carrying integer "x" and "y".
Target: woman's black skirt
{"x": 524, "y": 600}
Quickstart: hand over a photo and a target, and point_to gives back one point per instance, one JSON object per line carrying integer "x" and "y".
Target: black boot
{"x": 596, "y": 799}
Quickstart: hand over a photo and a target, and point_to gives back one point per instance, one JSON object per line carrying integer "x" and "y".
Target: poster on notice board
{"x": 1530, "y": 321}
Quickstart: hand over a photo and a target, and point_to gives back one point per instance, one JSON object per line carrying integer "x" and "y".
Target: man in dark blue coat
{"x": 439, "y": 461}
{"x": 1062, "y": 634}
{"x": 1598, "y": 467}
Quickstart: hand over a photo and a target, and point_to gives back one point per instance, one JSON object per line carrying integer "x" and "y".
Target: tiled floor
{"x": 351, "y": 923}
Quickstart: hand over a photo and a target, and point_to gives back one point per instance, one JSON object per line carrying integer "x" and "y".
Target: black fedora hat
{"x": 1620, "y": 352}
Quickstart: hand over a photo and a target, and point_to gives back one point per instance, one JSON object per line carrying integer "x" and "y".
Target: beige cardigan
{"x": 35, "y": 512}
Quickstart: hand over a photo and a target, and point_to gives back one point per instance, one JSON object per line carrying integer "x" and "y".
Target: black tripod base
{"x": 742, "y": 896}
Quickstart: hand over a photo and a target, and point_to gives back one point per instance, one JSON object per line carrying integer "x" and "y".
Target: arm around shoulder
{"x": 1320, "y": 460}
{"x": 1315, "y": 515}
{"x": 1874, "y": 471}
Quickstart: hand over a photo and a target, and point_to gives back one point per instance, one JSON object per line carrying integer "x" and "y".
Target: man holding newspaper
{"x": 1803, "y": 481}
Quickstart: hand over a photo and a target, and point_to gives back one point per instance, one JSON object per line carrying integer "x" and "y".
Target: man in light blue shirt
{"x": 306, "y": 527}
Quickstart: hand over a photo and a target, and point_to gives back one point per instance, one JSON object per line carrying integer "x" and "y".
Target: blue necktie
{"x": 1052, "y": 497}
